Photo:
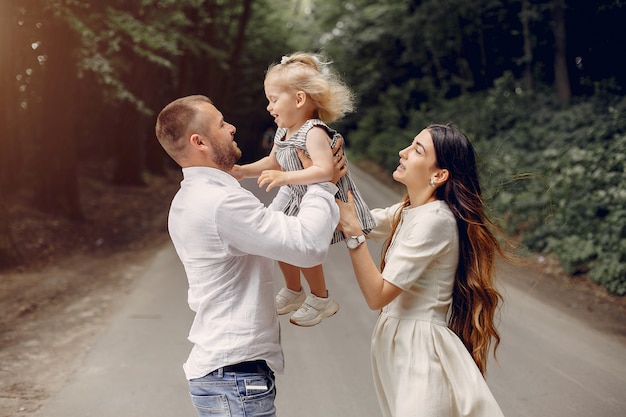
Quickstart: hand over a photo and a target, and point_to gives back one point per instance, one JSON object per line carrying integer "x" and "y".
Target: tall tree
{"x": 527, "y": 59}
{"x": 136, "y": 75}
{"x": 236, "y": 50}
{"x": 8, "y": 102}
{"x": 55, "y": 154}
{"x": 561, "y": 75}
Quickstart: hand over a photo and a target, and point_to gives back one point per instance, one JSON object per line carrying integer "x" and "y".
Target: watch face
{"x": 354, "y": 241}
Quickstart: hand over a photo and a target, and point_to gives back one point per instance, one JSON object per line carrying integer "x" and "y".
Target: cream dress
{"x": 421, "y": 368}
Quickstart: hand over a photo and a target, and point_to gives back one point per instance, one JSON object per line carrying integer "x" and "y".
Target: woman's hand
{"x": 348, "y": 219}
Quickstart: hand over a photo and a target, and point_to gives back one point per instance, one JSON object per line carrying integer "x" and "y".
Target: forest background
{"x": 538, "y": 86}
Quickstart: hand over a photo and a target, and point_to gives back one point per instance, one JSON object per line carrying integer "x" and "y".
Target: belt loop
{"x": 220, "y": 373}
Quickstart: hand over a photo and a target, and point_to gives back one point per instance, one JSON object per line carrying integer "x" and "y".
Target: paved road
{"x": 550, "y": 364}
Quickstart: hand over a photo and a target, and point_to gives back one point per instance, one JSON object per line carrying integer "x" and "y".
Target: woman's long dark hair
{"x": 474, "y": 298}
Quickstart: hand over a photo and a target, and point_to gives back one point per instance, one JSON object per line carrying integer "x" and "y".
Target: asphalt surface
{"x": 549, "y": 364}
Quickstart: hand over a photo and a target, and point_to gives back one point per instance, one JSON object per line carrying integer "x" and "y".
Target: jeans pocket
{"x": 260, "y": 395}
{"x": 257, "y": 385}
{"x": 211, "y": 405}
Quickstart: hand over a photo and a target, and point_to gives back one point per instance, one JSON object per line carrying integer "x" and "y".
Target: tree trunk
{"x": 561, "y": 77}
{"x": 155, "y": 156}
{"x": 439, "y": 71}
{"x": 233, "y": 61}
{"x": 482, "y": 84}
{"x": 9, "y": 255}
{"x": 130, "y": 136}
{"x": 466, "y": 76}
{"x": 56, "y": 184}
{"x": 129, "y": 150}
{"x": 9, "y": 99}
{"x": 529, "y": 79}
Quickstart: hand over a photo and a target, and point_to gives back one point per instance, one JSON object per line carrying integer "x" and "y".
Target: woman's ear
{"x": 442, "y": 176}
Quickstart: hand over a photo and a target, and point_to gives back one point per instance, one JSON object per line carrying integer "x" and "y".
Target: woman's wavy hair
{"x": 312, "y": 74}
{"x": 474, "y": 299}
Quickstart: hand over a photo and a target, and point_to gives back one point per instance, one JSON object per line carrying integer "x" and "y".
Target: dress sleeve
{"x": 416, "y": 245}
{"x": 384, "y": 221}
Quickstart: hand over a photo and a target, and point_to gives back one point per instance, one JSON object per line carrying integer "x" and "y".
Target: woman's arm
{"x": 377, "y": 291}
{"x": 320, "y": 170}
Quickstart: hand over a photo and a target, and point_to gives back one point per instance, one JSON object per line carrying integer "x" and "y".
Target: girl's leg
{"x": 318, "y": 305}
{"x": 315, "y": 278}
{"x": 292, "y": 296}
{"x": 291, "y": 274}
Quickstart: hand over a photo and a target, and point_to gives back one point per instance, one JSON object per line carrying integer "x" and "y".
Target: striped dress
{"x": 288, "y": 159}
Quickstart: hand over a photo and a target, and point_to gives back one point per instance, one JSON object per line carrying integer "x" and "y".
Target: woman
{"x": 433, "y": 336}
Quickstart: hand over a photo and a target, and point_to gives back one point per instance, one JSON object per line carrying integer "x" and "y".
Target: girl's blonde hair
{"x": 311, "y": 74}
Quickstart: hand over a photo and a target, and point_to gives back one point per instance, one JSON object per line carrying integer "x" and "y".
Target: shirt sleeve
{"x": 414, "y": 250}
{"x": 247, "y": 227}
{"x": 282, "y": 198}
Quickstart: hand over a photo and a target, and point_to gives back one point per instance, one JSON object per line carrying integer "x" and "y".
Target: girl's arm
{"x": 254, "y": 169}
{"x": 321, "y": 170}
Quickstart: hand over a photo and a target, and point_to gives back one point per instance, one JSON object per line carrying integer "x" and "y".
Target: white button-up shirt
{"x": 227, "y": 241}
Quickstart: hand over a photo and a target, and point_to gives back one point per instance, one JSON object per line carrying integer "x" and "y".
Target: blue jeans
{"x": 234, "y": 394}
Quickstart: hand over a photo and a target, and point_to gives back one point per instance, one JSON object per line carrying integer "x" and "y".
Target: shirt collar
{"x": 211, "y": 174}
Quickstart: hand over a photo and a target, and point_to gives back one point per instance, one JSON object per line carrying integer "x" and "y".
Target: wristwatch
{"x": 353, "y": 242}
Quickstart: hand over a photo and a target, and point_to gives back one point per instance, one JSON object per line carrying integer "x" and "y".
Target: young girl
{"x": 304, "y": 95}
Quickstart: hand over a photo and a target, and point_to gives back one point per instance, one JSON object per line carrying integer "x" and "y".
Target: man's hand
{"x": 273, "y": 179}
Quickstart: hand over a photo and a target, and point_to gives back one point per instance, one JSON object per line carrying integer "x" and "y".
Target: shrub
{"x": 555, "y": 176}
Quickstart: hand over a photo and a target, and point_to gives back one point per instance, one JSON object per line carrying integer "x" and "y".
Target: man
{"x": 227, "y": 241}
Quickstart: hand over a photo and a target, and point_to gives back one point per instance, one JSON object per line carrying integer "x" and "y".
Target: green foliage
{"x": 116, "y": 37}
{"x": 558, "y": 178}
{"x": 555, "y": 176}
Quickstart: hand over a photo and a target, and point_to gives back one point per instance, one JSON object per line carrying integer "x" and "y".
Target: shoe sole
{"x": 316, "y": 320}
{"x": 289, "y": 308}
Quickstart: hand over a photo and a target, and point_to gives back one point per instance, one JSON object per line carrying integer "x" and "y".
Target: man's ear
{"x": 196, "y": 140}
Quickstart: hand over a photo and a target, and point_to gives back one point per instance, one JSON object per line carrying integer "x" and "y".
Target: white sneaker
{"x": 314, "y": 310}
{"x": 288, "y": 300}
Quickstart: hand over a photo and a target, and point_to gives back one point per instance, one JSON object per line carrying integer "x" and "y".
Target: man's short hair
{"x": 175, "y": 120}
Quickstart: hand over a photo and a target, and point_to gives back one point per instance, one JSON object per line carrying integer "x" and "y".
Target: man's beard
{"x": 226, "y": 156}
